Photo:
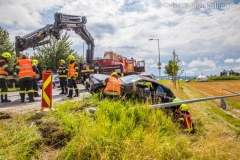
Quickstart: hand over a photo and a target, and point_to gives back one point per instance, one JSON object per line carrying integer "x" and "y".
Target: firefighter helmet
{"x": 62, "y": 61}
{"x": 183, "y": 107}
{"x": 35, "y": 61}
{"x": 71, "y": 57}
{"x": 114, "y": 74}
{"x": 6, "y": 55}
{"x": 175, "y": 100}
{"x": 24, "y": 56}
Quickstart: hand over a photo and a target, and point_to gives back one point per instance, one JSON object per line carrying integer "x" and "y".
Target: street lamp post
{"x": 159, "y": 63}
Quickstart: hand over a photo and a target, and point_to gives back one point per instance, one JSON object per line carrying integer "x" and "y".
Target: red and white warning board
{"x": 46, "y": 89}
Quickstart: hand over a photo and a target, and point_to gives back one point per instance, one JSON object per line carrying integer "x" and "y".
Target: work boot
{"x": 22, "y": 95}
{"x": 76, "y": 93}
{"x": 70, "y": 94}
{"x": 31, "y": 97}
{"x": 36, "y": 94}
{"x": 62, "y": 90}
{"x": 6, "y": 99}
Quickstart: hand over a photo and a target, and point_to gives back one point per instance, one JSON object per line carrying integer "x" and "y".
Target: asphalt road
{"x": 16, "y": 106}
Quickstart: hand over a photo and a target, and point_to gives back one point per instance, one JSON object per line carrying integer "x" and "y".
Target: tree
{"x": 173, "y": 68}
{"x": 50, "y": 54}
{"x": 6, "y": 45}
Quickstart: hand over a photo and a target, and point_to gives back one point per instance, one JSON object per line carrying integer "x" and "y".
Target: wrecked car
{"x": 134, "y": 86}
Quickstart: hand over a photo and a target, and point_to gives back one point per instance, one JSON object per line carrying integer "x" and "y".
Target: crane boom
{"x": 62, "y": 21}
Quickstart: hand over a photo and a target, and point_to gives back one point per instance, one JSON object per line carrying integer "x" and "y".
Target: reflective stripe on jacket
{"x": 113, "y": 84}
{"x": 25, "y": 68}
{"x": 3, "y": 73}
{"x": 71, "y": 69}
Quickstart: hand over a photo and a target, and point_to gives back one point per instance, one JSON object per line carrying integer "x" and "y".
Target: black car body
{"x": 134, "y": 86}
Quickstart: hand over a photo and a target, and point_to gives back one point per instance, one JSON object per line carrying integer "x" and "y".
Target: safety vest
{"x": 25, "y": 68}
{"x": 187, "y": 121}
{"x": 113, "y": 85}
{"x": 3, "y": 73}
{"x": 71, "y": 69}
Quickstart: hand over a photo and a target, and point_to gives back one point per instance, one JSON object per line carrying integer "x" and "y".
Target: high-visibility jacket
{"x": 113, "y": 84}
{"x": 25, "y": 68}
{"x": 71, "y": 70}
{"x": 64, "y": 71}
{"x": 186, "y": 121}
{"x": 3, "y": 73}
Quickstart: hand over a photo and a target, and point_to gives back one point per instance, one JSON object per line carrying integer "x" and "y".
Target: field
{"x": 216, "y": 88}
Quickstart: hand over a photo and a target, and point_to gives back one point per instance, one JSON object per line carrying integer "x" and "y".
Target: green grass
{"x": 128, "y": 130}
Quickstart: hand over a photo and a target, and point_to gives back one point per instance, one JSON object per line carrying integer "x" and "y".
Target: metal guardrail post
{"x": 223, "y": 104}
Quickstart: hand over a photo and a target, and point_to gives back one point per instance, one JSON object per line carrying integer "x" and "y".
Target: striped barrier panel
{"x": 46, "y": 89}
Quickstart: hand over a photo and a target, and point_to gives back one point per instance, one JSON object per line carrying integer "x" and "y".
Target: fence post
{"x": 46, "y": 89}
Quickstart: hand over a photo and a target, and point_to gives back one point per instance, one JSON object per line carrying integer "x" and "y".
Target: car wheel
{"x": 53, "y": 85}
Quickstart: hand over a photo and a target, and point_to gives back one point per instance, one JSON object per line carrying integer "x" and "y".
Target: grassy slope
{"x": 119, "y": 131}
{"x": 218, "y": 134}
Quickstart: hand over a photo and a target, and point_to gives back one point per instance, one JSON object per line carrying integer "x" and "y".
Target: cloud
{"x": 202, "y": 38}
{"x": 200, "y": 63}
{"x": 238, "y": 60}
{"x": 26, "y": 13}
{"x": 229, "y": 61}
{"x": 150, "y": 60}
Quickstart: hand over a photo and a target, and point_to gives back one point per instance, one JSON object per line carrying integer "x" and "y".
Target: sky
{"x": 204, "y": 34}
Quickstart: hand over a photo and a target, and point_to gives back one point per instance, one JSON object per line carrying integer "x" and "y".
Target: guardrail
{"x": 223, "y": 101}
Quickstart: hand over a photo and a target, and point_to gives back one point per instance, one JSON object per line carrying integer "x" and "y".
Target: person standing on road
{"x": 63, "y": 73}
{"x": 35, "y": 77}
{"x": 4, "y": 72}
{"x": 72, "y": 76}
{"x": 25, "y": 70}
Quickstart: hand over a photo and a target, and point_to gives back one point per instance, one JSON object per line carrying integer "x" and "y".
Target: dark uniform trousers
{"x": 35, "y": 87}
{"x": 26, "y": 85}
{"x": 63, "y": 84}
{"x": 72, "y": 86}
{"x": 4, "y": 89}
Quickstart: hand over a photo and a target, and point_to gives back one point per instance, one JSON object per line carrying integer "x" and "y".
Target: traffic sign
{"x": 159, "y": 67}
{"x": 159, "y": 64}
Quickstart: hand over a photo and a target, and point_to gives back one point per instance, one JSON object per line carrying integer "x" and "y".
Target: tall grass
{"x": 120, "y": 131}
{"x": 18, "y": 140}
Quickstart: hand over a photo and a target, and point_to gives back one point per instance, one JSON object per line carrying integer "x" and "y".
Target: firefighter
{"x": 185, "y": 119}
{"x": 113, "y": 85}
{"x": 4, "y": 72}
{"x": 72, "y": 76}
{"x": 35, "y": 77}
{"x": 63, "y": 72}
{"x": 25, "y": 70}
